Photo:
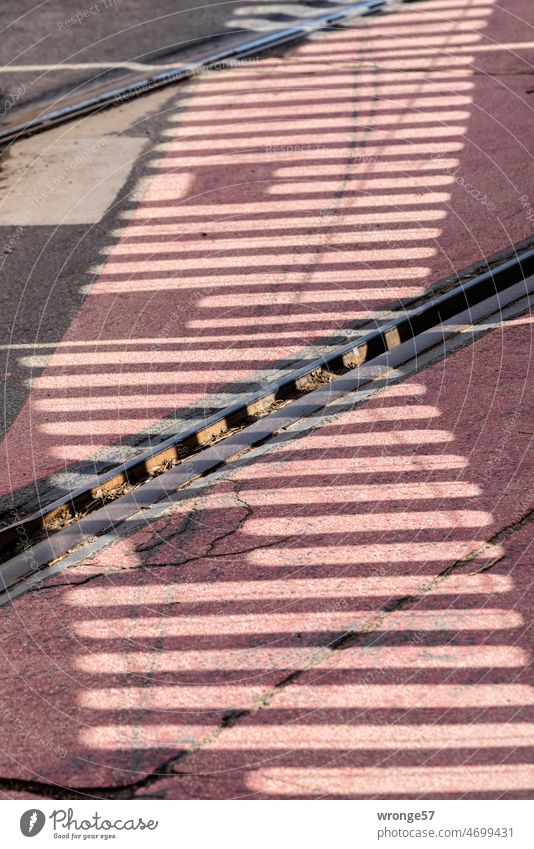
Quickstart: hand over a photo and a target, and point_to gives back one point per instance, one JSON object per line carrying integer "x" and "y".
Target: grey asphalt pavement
{"x": 51, "y": 50}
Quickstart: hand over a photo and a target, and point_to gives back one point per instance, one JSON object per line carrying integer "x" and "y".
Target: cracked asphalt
{"x": 344, "y": 611}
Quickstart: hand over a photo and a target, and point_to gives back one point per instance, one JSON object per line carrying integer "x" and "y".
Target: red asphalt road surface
{"x": 213, "y": 634}
{"x": 168, "y": 633}
{"x": 290, "y": 198}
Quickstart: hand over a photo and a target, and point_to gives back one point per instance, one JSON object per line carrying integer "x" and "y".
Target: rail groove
{"x": 109, "y": 486}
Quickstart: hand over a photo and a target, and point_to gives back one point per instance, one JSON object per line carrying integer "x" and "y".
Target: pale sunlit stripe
{"x": 84, "y": 403}
{"x": 297, "y": 67}
{"x": 293, "y": 73}
{"x": 311, "y": 297}
{"x": 398, "y": 781}
{"x": 434, "y": 33}
{"x": 184, "y": 243}
{"x": 118, "y": 380}
{"x": 310, "y": 155}
{"x": 434, "y": 11}
{"x": 152, "y": 342}
{"x": 341, "y": 320}
{"x": 283, "y": 138}
{"x": 273, "y": 125}
{"x": 146, "y": 377}
{"x": 180, "y": 661}
{"x": 144, "y": 737}
{"x": 382, "y": 696}
{"x": 384, "y": 42}
{"x": 314, "y": 106}
{"x": 300, "y": 469}
{"x": 285, "y": 219}
{"x": 432, "y": 60}
{"x": 296, "y": 205}
{"x": 76, "y": 451}
{"x": 340, "y": 85}
{"x": 265, "y": 125}
{"x": 348, "y": 166}
{"x": 292, "y": 736}
{"x": 123, "y": 402}
{"x": 288, "y": 589}
{"x": 367, "y": 184}
{"x": 98, "y": 402}
{"x": 309, "y": 91}
{"x": 319, "y": 160}
{"x": 433, "y": 29}
{"x": 272, "y": 260}
{"x": 99, "y": 426}
{"x": 345, "y": 54}
{"x": 325, "y": 440}
{"x": 116, "y": 425}
{"x": 198, "y": 698}
{"x": 139, "y": 662}
{"x": 327, "y": 274}
{"x": 361, "y": 493}
{"x": 384, "y": 438}
{"x": 178, "y": 183}
{"x": 392, "y": 413}
{"x": 428, "y": 21}
{"x": 276, "y": 131}
{"x": 89, "y": 359}
{"x": 234, "y": 110}
{"x": 392, "y": 737}
{"x": 352, "y": 523}
{"x": 417, "y": 437}
{"x": 317, "y": 153}
{"x": 455, "y": 52}
{"x": 336, "y": 621}
{"x": 162, "y": 192}
{"x": 348, "y": 555}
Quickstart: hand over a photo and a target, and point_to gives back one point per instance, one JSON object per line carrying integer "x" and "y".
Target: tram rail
{"x": 33, "y": 542}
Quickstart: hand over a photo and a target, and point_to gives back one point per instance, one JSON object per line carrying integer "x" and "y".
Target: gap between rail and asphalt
{"x": 111, "y": 498}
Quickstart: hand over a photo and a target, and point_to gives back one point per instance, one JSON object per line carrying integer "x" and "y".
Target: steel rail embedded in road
{"x": 500, "y": 285}
{"x": 212, "y": 61}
